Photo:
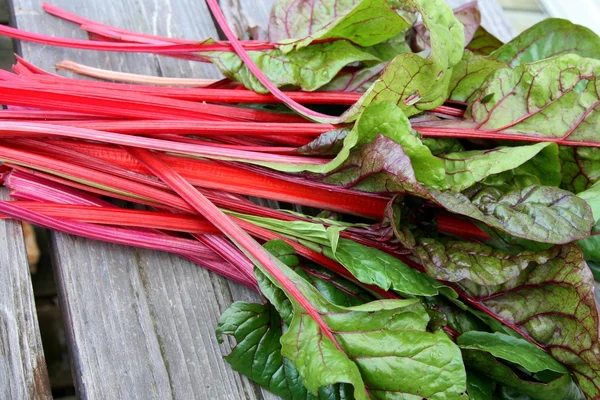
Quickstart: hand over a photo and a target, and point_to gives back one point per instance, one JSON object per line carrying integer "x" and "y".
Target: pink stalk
{"x": 122, "y": 236}
{"x": 128, "y": 104}
{"x": 125, "y": 47}
{"x": 249, "y": 63}
{"x": 191, "y": 127}
{"x": 131, "y": 78}
{"x": 467, "y": 133}
{"x": 12, "y": 129}
{"x": 226, "y": 225}
{"x": 34, "y": 188}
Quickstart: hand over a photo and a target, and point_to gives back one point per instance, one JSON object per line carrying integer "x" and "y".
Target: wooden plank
{"x": 23, "y": 373}
{"x": 140, "y": 324}
{"x": 582, "y": 12}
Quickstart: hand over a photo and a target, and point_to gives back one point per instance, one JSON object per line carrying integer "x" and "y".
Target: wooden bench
{"x": 140, "y": 324}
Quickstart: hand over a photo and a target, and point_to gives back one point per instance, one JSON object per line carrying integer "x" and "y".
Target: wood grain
{"x": 23, "y": 373}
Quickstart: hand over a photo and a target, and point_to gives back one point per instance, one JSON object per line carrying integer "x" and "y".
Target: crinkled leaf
{"x": 381, "y": 166}
{"x": 580, "y": 167}
{"x": 554, "y": 304}
{"x": 307, "y": 68}
{"x": 465, "y": 168}
{"x": 484, "y": 42}
{"x": 468, "y": 15}
{"x": 554, "y": 98}
{"x": 458, "y": 319}
{"x": 393, "y": 218}
{"x": 470, "y": 74}
{"x": 539, "y": 213}
{"x": 455, "y": 261}
{"x": 412, "y": 82}
{"x": 549, "y": 38}
{"x": 364, "y": 22}
{"x": 478, "y": 387}
{"x": 359, "y": 80}
{"x": 562, "y": 388}
{"x": 509, "y": 348}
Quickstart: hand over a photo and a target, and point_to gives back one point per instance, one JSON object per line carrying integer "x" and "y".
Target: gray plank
{"x": 23, "y": 373}
{"x": 140, "y": 324}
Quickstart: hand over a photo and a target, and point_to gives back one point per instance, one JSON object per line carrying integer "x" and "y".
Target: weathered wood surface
{"x": 23, "y": 373}
{"x": 141, "y": 324}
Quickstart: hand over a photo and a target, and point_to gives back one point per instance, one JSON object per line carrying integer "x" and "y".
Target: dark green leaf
{"x": 442, "y": 145}
{"x": 509, "y": 348}
{"x": 375, "y": 267}
{"x": 549, "y": 38}
{"x": 478, "y": 387}
{"x": 562, "y": 388}
{"x": 591, "y": 245}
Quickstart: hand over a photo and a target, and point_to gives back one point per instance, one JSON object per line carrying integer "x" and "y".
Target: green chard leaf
{"x": 330, "y": 344}
{"x": 364, "y": 22}
{"x": 367, "y": 264}
{"x": 552, "y": 303}
{"x": 483, "y": 42}
{"x": 455, "y": 261}
{"x": 307, "y": 68}
{"x": 555, "y": 98}
{"x": 591, "y": 245}
{"x": 470, "y": 74}
{"x": 509, "y": 348}
{"x": 468, "y": 15}
{"x": 549, "y": 38}
{"x": 580, "y": 167}
{"x": 466, "y": 168}
{"x": 539, "y": 213}
{"x": 415, "y": 83}
{"x": 592, "y": 197}
{"x": 478, "y": 387}
{"x": 562, "y": 388}
{"x": 257, "y": 329}
{"x": 401, "y": 324}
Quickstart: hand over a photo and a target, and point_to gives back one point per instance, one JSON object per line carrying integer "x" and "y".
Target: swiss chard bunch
{"x": 455, "y": 180}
